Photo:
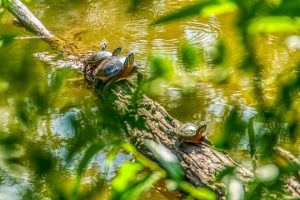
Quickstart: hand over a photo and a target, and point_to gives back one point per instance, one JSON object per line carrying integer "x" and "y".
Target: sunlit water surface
{"x": 86, "y": 23}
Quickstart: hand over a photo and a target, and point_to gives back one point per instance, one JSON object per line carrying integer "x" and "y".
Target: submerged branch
{"x": 32, "y": 24}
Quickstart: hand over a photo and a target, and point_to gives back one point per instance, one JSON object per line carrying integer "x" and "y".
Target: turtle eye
{"x": 131, "y": 57}
{"x": 201, "y": 128}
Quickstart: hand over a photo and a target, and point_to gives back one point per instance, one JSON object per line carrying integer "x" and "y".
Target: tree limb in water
{"x": 31, "y": 23}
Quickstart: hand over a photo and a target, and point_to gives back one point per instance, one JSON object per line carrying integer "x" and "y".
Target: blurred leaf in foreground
{"x": 131, "y": 182}
{"x": 217, "y": 53}
{"x": 271, "y": 24}
{"x": 183, "y": 12}
{"x": 197, "y": 192}
{"x": 234, "y": 187}
{"x": 167, "y": 159}
{"x": 6, "y": 39}
{"x": 229, "y": 184}
{"x": 161, "y": 68}
{"x": 202, "y": 8}
{"x": 288, "y": 8}
{"x": 89, "y": 154}
{"x": 161, "y": 71}
{"x": 234, "y": 130}
{"x": 190, "y": 56}
{"x": 4, "y": 3}
{"x": 220, "y": 75}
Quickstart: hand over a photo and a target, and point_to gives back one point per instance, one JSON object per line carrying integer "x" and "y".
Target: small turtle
{"x": 95, "y": 59}
{"x": 116, "y": 68}
{"x": 191, "y": 133}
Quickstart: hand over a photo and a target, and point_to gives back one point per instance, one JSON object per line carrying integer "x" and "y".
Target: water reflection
{"x": 87, "y": 23}
{"x": 63, "y": 125}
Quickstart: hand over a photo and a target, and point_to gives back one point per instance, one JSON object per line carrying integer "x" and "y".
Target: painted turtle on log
{"x": 191, "y": 133}
{"x": 116, "y": 68}
{"x": 92, "y": 61}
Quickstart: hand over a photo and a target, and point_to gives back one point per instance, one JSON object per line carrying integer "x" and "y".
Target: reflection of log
{"x": 145, "y": 119}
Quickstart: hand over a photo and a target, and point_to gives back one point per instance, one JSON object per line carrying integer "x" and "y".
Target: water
{"x": 86, "y": 23}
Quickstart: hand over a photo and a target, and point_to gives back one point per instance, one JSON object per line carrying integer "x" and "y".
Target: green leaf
{"x": 233, "y": 130}
{"x": 219, "y": 54}
{"x": 221, "y": 74}
{"x": 167, "y": 159}
{"x": 60, "y": 77}
{"x": 288, "y": 8}
{"x": 252, "y": 141}
{"x": 141, "y": 158}
{"x": 161, "y": 68}
{"x": 133, "y": 190}
{"x": 271, "y": 24}
{"x": 6, "y": 39}
{"x": 183, "y": 12}
{"x": 126, "y": 174}
{"x": 234, "y": 187}
{"x": 90, "y": 152}
{"x": 4, "y": 3}
{"x": 199, "y": 193}
{"x": 190, "y": 56}
{"x": 267, "y": 173}
{"x": 227, "y": 171}
{"x": 274, "y": 3}
{"x": 219, "y": 9}
{"x": 201, "y": 8}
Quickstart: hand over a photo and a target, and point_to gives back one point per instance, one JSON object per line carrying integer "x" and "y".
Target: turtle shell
{"x": 110, "y": 67}
{"x": 191, "y": 133}
{"x": 98, "y": 57}
{"x": 188, "y": 129}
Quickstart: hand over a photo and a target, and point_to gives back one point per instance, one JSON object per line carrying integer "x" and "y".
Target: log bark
{"x": 144, "y": 119}
{"x": 31, "y": 23}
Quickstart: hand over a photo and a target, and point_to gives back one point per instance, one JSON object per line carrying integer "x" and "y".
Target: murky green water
{"x": 86, "y": 23}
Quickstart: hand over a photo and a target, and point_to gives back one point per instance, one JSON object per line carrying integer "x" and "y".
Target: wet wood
{"x": 292, "y": 182}
{"x": 144, "y": 119}
{"x": 30, "y": 22}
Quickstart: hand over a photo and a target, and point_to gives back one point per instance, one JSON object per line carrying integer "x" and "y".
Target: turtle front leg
{"x": 95, "y": 82}
{"x": 84, "y": 71}
{"x": 140, "y": 77}
{"x": 180, "y": 143}
{"x": 109, "y": 84}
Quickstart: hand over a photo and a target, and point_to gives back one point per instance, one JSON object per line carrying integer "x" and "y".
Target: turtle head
{"x": 117, "y": 51}
{"x": 128, "y": 64}
{"x": 103, "y": 45}
{"x": 201, "y": 129}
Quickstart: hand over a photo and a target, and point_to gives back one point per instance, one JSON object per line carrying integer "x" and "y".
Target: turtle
{"x": 116, "y": 68}
{"x": 191, "y": 133}
{"x": 95, "y": 59}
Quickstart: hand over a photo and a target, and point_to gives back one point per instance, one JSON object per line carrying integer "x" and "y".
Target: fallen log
{"x": 144, "y": 119}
